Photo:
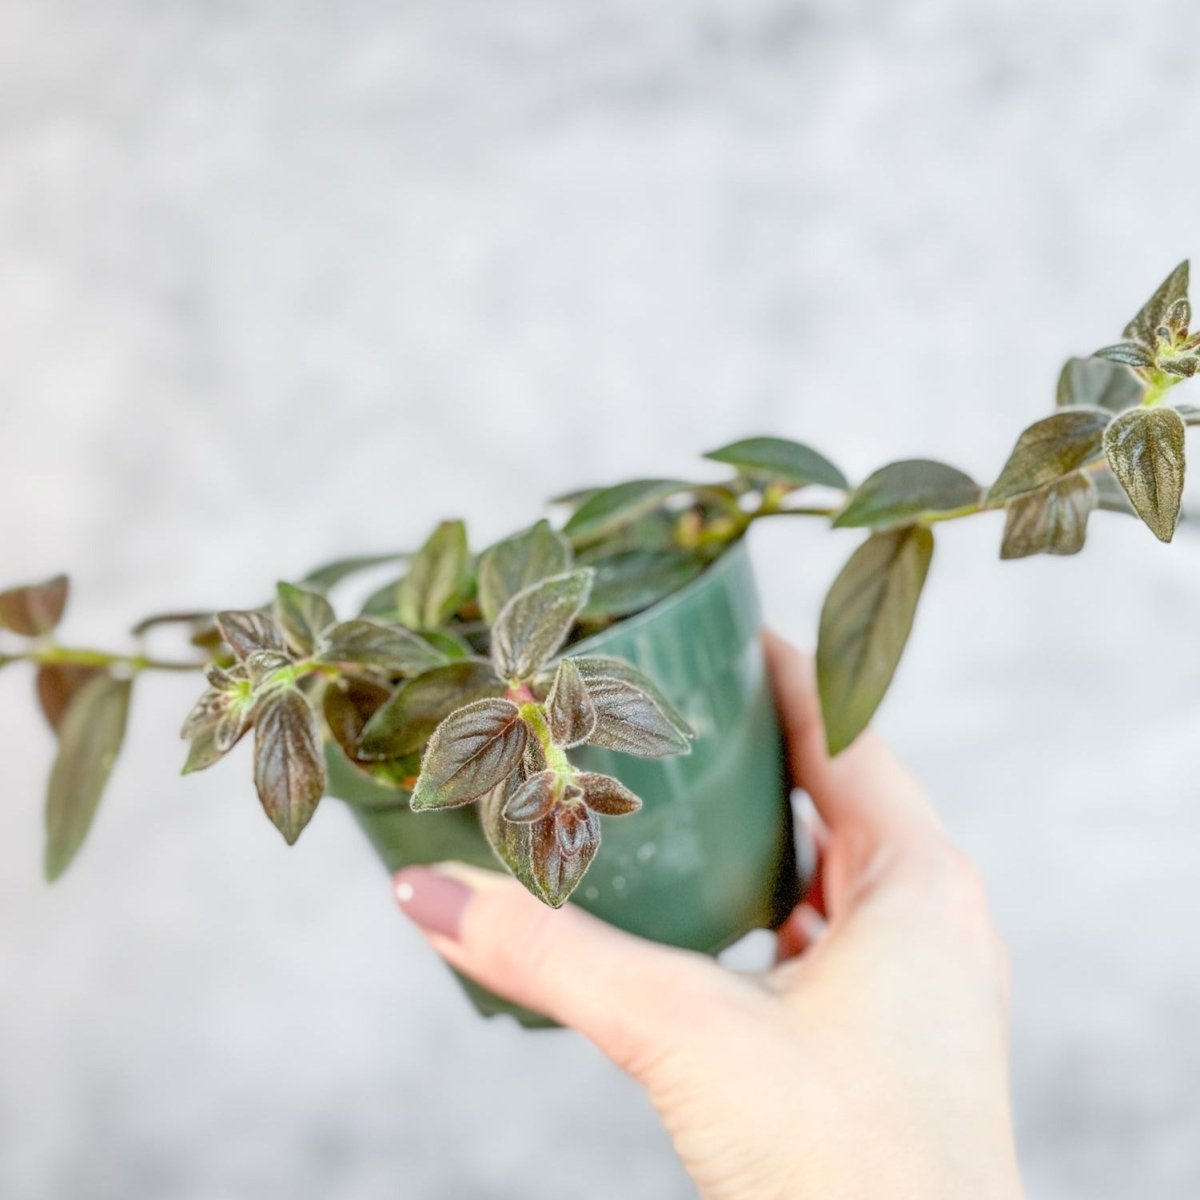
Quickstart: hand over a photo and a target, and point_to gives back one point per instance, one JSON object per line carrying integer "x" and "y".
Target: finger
{"x": 627, "y": 995}
{"x": 864, "y": 786}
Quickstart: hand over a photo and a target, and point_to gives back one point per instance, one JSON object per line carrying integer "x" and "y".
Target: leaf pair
{"x": 1157, "y": 340}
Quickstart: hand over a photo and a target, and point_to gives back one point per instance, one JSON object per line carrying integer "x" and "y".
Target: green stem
{"x": 51, "y": 654}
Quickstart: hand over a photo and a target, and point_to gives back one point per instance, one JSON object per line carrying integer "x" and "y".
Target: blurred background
{"x": 281, "y": 281}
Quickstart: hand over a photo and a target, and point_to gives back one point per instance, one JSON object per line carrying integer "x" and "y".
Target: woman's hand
{"x": 871, "y": 1061}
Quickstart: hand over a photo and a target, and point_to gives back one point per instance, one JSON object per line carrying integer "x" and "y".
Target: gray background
{"x": 284, "y": 279}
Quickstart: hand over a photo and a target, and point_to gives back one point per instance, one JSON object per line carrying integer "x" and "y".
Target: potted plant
{"x": 506, "y": 707}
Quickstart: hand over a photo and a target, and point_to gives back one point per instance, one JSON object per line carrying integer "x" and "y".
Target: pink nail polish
{"x": 434, "y": 901}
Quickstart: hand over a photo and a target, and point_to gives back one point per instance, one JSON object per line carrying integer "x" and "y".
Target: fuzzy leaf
{"x": 1129, "y": 354}
{"x": 289, "y": 767}
{"x": 349, "y": 703}
{"x": 901, "y": 492}
{"x": 1097, "y": 383}
{"x": 1145, "y": 448}
{"x": 1144, "y": 327}
{"x": 1052, "y": 521}
{"x": 631, "y": 580}
{"x": 35, "y": 609}
{"x": 777, "y": 460}
{"x": 611, "y": 508}
{"x": 534, "y": 798}
{"x": 1189, "y": 412}
{"x": 630, "y": 719}
{"x": 391, "y": 648}
{"x": 598, "y": 666}
{"x": 535, "y": 622}
{"x": 518, "y": 562}
{"x": 89, "y": 740}
{"x": 512, "y": 841}
{"x": 1110, "y": 495}
{"x": 438, "y": 579}
{"x": 865, "y": 624}
{"x": 57, "y": 685}
{"x": 470, "y": 752}
{"x": 331, "y": 574}
{"x": 415, "y": 710}
{"x": 569, "y": 708}
{"x": 302, "y": 615}
{"x": 244, "y": 632}
{"x": 562, "y": 848}
{"x": 606, "y": 795}
{"x": 1050, "y": 450}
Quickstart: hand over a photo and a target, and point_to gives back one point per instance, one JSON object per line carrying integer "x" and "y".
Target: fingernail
{"x": 434, "y": 901}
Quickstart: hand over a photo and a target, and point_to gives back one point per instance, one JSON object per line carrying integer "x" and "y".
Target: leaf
{"x": 901, "y": 492}
{"x": 612, "y": 508}
{"x": 534, "y": 623}
{"x": 303, "y": 615}
{"x": 438, "y": 579}
{"x": 865, "y": 624}
{"x": 470, "y": 752}
{"x": 1130, "y": 354}
{"x": 269, "y": 667}
{"x": 631, "y": 580}
{"x": 35, "y": 609}
{"x": 1097, "y": 383}
{"x": 630, "y": 719}
{"x": 1145, "y": 448}
{"x": 289, "y": 767}
{"x": 606, "y": 795}
{"x": 512, "y": 841}
{"x": 562, "y": 848}
{"x": 246, "y": 631}
{"x": 600, "y": 666}
{"x": 570, "y": 712}
{"x": 1144, "y": 327}
{"x": 1050, "y": 450}
{"x": 57, "y": 685}
{"x": 1052, "y": 521}
{"x": 331, "y": 574}
{"x": 1110, "y": 495}
{"x": 780, "y": 461}
{"x": 364, "y": 642}
{"x": 197, "y": 621}
{"x": 1189, "y": 412}
{"x": 518, "y": 562}
{"x": 349, "y": 703}
{"x": 419, "y": 706}
{"x": 533, "y": 799}
{"x": 89, "y": 740}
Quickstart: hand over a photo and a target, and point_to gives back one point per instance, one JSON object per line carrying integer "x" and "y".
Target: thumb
{"x": 627, "y": 995}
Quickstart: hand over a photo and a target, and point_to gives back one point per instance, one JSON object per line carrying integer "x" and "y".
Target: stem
{"x": 51, "y": 654}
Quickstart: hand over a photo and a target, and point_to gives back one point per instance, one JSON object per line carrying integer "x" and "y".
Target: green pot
{"x": 711, "y": 856}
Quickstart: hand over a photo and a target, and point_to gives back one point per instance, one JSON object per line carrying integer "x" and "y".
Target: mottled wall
{"x": 279, "y": 280}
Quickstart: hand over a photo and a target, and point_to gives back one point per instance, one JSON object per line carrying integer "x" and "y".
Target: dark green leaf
{"x": 450, "y": 645}
{"x": 1052, "y": 521}
{"x": 416, "y": 709}
{"x": 438, "y": 579}
{"x": 612, "y": 508}
{"x": 57, "y": 685}
{"x": 247, "y": 631}
{"x": 470, "y": 752}
{"x": 1144, "y": 327}
{"x": 778, "y": 460}
{"x": 606, "y": 795}
{"x": 34, "y": 610}
{"x": 1131, "y": 354}
{"x": 599, "y": 666}
{"x": 902, "y": 492}
{"x": 1145, "y": 448}
{"x": 536, "y": 621}
{"x": 533, "y": 799}
{"x": 570, "y": 712}
{"x": 865, "y": 624}
{"x": 391, "y": 648}
{"x": 518, "y": 562}
{"x": 630, "y": 719}
{"x": 349, "y": 703}
{"x": 1097, "y": 383}
{"x": 89, "y": 740}
{"x": 302, "y": 615}
{"x": 631, "y": 580}
{"x": 331, "y": 574}
{"x": 289, "y": 766}
{"x": 1050, "y": 450}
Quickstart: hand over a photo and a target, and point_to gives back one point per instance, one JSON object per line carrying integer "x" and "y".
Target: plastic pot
{"x": 711, "y": 855}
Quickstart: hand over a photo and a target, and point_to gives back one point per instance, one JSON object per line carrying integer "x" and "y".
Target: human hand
{"x": 870, "y": 1062}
